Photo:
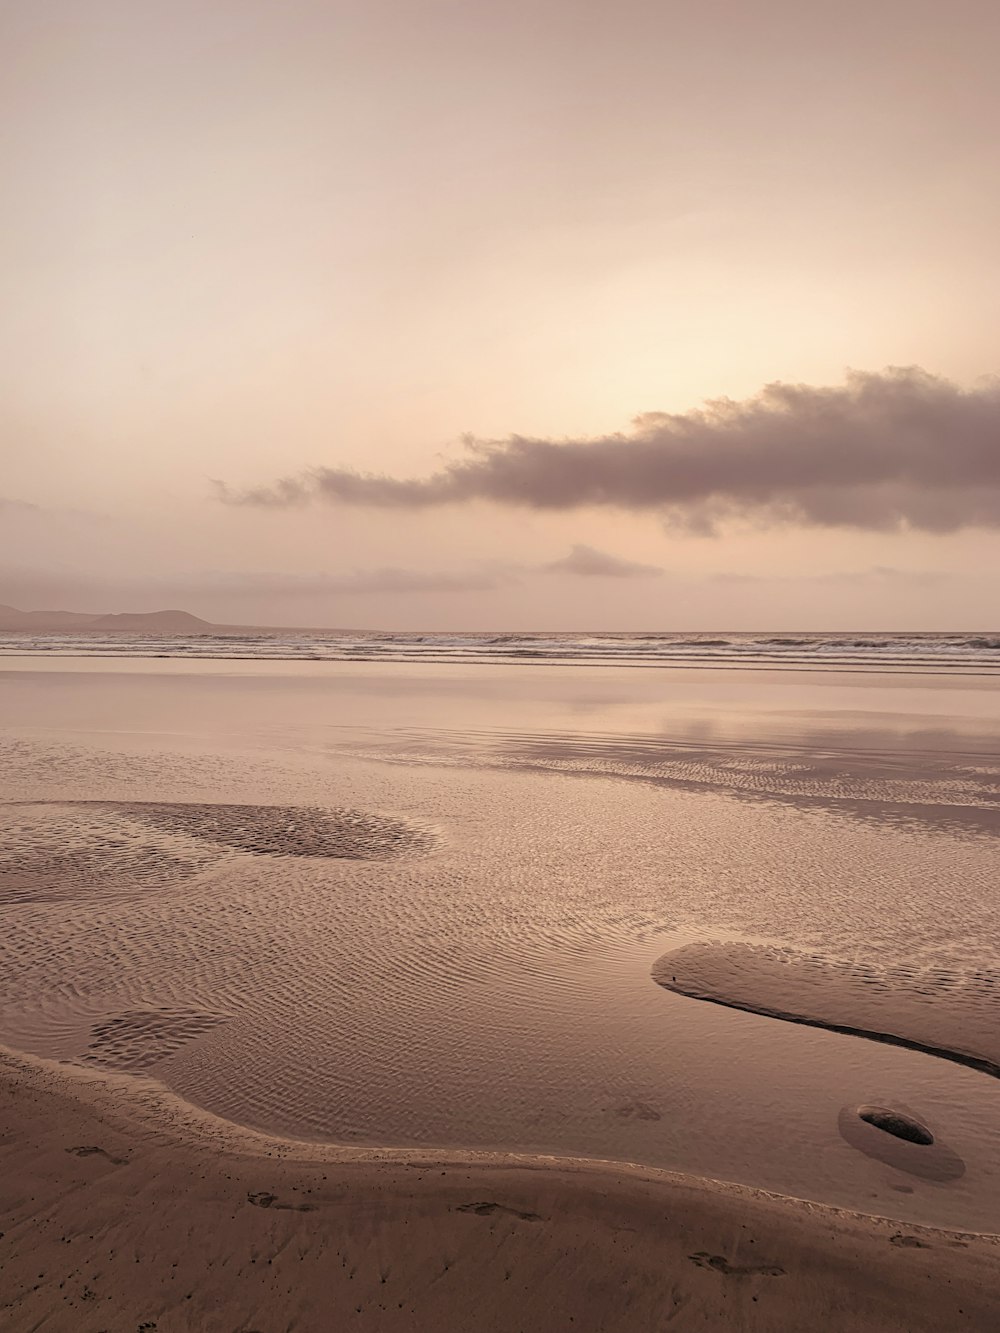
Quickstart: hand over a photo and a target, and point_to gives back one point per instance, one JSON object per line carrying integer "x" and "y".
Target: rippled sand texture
{"x": 350, "y": 949}
{"x": 954, "y": 1015}
{"x": 922, "y": 789}
{"x": 72, "y": 849}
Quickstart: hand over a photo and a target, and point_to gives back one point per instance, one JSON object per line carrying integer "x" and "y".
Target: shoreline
{"x": 124, "y": 1207}
{"x": 933, "y": 672}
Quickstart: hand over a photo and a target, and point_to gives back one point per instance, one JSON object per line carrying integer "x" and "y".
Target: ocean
{"x": 964, "y": 653}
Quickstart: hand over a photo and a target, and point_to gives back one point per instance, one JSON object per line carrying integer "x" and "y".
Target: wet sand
{"x": 124, "y": 1210}
{"x": 941, "y": 1012}
{"x": 335, "y": 906}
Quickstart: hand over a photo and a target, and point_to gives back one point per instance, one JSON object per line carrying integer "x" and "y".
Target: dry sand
{"x": 123, "y": 1209}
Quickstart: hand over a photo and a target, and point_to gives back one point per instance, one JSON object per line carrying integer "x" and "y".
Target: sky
{"x": 447, "y": 314}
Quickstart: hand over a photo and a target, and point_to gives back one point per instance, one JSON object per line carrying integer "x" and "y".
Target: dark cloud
{"x": 883, "y": 451}
{"x": 588, "y": 562}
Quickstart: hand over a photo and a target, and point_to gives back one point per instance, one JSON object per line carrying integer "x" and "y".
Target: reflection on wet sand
{"x": 204, "y": 906}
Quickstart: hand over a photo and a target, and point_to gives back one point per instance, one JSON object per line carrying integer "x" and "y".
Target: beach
{"x": 378, "y": 921}
{"x": 499, "y": 668}
{"x": 124, "y": 1210}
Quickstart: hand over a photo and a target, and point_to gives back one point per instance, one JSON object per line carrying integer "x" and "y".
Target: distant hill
{"x": 12, "y": 618}
{"x": 165, "y": 622}
{"x": 126, "y": 622}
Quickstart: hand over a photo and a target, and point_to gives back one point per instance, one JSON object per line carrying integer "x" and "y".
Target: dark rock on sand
{"x": 896, "y": 1122}
{"x": 897, "y": 1138}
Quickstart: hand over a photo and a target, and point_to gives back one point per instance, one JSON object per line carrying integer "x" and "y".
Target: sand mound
{"x": 950, "y": 1014}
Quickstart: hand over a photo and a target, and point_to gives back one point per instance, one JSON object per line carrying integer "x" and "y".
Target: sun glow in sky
{"x": 243, "y": 240}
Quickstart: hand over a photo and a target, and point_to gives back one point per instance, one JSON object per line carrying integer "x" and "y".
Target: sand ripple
{"x": 911, "y": 790}
{"x": 139, "y": 1038}
{"x": 276, "y": 830}
{"x": 71, "y": 852}
{"x": 315, "y": 973}
{"x": 54, "y": 851}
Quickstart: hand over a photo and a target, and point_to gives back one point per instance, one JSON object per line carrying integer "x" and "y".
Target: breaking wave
{"x": 971, "y": 653}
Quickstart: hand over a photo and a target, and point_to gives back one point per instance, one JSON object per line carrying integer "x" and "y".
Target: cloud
{"x": 39, "y": 587}
{"x": 876, "y": 575}
{"x": 882, "y": 451}
{"x": 387, "y": 579}
{"x": 582, "y": 561}
{"x": 10, "y": 506}
{"x": 588, "y": 562}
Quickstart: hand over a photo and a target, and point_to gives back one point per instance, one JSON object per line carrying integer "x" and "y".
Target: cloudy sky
{"x": 534, "y": 314}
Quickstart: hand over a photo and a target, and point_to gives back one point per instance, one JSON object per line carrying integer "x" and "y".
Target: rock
{"x": 895, "y": 1122}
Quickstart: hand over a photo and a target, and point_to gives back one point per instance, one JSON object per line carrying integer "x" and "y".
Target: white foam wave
{"x": 973, "y": 653}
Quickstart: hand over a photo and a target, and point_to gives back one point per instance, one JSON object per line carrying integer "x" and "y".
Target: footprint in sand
{"x": 638, "y": 1111}
{"x": 720, "y": 1264}
{"x": 91, "y": 1151}
{"x": 261, "y": 1199}
{"x": 490, "y": 1209}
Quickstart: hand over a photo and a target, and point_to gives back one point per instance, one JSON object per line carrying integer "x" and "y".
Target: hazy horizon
{"x": 664, "y": 630}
